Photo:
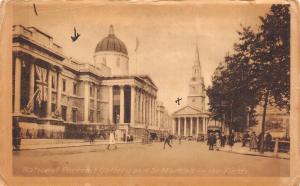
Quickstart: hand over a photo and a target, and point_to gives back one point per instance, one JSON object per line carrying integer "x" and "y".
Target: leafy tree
{"x": 257, "y": 72}
{"x": 271, "y": 60}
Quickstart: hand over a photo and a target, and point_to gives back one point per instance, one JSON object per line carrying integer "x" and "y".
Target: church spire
{"x": 197, "y": 57}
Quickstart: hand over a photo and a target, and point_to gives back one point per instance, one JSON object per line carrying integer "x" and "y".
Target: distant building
{"x": 277, "y": 122}
{"x": 55, "y": 96}
{"x": 192, "y": 119}
{"x": 163, "y": 118}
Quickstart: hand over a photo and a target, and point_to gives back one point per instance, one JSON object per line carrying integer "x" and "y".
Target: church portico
{"x": 192, "y": 125}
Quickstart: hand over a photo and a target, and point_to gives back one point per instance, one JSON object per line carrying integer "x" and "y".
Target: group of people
{"x": 255, "y": 141}
{"x": 219, "y": 140}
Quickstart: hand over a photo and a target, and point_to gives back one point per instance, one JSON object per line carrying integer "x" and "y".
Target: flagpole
{"x": 136, "y": 64}
{"x": 136, "y": 50}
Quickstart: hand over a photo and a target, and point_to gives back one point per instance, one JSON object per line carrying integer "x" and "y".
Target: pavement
{"x": 34, "y": 144}
{"x": 189, "y": 158}
{"x": 238, "y": 149}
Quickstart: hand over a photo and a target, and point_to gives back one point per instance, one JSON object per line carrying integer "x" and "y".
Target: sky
{"x": 167, "y": 34}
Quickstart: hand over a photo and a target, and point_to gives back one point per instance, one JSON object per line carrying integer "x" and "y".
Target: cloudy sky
{"x": 167, "y": 34}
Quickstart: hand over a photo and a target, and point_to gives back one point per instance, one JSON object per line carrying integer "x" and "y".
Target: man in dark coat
{"x": 231, "y": 140}
{"x": 268, "y": 142}
{"x": 259, "y": 141}
{"x": 211, "y": 141}
{"x": 245, "y": 139}
{"x": 223, "y": 139}
{"x": 168, "y": 140}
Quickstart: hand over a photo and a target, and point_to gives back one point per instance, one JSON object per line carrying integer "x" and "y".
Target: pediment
{"x": 188, "y": 110}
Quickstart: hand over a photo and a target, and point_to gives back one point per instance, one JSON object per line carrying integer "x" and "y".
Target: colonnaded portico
{"x": 190, "y": 126}
{"x": 132, "y": 102}
{"x": 190, "y": 121}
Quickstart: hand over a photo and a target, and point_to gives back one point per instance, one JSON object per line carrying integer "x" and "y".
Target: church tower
{"x": 196, "y": 95}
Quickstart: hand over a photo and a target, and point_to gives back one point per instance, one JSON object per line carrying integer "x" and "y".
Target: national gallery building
{"x": 55, "y": 96}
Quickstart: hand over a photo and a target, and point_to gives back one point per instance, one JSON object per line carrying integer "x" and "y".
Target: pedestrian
{"x": 218, "y": 141}
{"x": 112, "y": 140}
{"x": 245, "y": 139}
{"x": 91, "y": 137}
{"x": 260, "y": 139}
{"x": 231, "y": 140}
{"x": 223, "y": 139}
{"x": 179, "y": 139}
{"x": 253, "y": 142}
{"x": 16, "y": 136}
{"x": 211, "y": 141}
{"x": 268, "y": 142}
{"x": 168, "y": 140}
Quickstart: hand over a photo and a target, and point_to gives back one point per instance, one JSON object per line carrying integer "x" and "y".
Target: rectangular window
{"x": 74, "y": 115}
{"x": 64, "y": 84}
{"x": 91, "y": 116}
{"x": 91, "y": 91}
{"x": 64, "y": 112}
{"x": 98, "y": 116}
{"x": 75, "y": 88}
{"x": 98, "y": 93}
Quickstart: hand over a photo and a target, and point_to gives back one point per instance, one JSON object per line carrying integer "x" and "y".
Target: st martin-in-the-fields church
{"x": 192, "y": 119}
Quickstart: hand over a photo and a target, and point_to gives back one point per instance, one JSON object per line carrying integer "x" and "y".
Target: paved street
{"x": 188, "y": 158}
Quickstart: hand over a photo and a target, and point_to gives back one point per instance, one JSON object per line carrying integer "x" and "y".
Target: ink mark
{"x": 35, "y": 11}
{"x": 178, "y": 101}
{"x": 76, "y": 35}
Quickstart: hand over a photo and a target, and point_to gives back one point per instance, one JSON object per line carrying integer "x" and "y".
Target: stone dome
{"x": 111, "y": 43}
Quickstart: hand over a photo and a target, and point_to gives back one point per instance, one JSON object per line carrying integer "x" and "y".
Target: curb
{"x": 54, "y": 147}
{"x": 256, "y": 155}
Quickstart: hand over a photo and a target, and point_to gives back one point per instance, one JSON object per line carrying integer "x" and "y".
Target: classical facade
{"x": 192, "y": 119}
{"x": 57, "y": 96}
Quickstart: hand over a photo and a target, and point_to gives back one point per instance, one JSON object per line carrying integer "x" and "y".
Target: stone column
{"x": 31, "y": 86}
{"x": 132, "y": 105}
{"x": 153, "y": 111}
{"x": 184, "y": 123}
{"x": 95, "y": 104}
{"x": 150, "y": 110}
{"x": 205, "y": 124}
{"x": 173, "y": 126}
{"x": 203, "y": 127}
{"x": 49, "y": 95}
{"x": 17, "y": 100}
{"x": 141, "y": 107}
{"x": 178, "y": 128}
{"x": 191, "y": 126}
{"x": 197, "y": 129}
{"x": 144, "y": 108}
{"x": 110, "y": 104}
{"x": 147, "y": 109}
{"x": 138, "y": 105}
{"x": 58, "y": 98}
{"x": 86, "y": 101}
{"x": 121, "y": 104}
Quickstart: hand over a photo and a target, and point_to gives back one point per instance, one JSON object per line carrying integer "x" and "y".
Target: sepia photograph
{"x": 137, "y": 89}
